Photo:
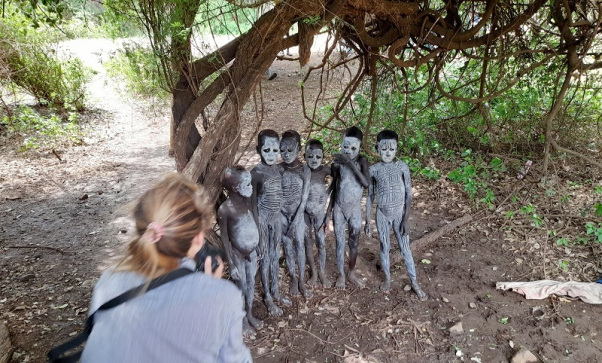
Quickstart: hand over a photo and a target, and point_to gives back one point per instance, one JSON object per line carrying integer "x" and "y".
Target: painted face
{"x": 289, "y": 150}
{"x": 387, "y": 149}
{"x": 269, "y": 150}
{"x": 314, "y": 158}
{"x": 351, "y": 147}
{"x": 244, "y": 188}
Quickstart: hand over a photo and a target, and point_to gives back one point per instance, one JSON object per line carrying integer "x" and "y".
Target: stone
{"x": 472, "y": 305}
{"x": 6, "y": 347}
{"x": 456, "y": 329}
{"x": 524, "y": 356}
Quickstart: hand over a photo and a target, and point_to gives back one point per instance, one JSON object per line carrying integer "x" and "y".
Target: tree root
{"x": 574, "y": 153}
{"x": 425, "y": 241}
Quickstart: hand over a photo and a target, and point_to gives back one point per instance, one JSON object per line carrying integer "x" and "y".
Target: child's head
{"x": 386, "y": 145}
{"x": 236, "y": 179}
{"x": 268, "y": 146}
{"x": 168, "y": 218}
{"x": 290, "y": 145}
{"x": 314, "y": 153}
{"x": 352, "y": 141}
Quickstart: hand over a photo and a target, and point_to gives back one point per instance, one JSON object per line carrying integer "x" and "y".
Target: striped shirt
{"x": 195, "y": 318}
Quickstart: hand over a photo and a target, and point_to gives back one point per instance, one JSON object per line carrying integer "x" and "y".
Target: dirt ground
{"x": 62, "y": 222}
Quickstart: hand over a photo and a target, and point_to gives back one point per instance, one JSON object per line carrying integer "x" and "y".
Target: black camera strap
{"x": 55, "y": 355}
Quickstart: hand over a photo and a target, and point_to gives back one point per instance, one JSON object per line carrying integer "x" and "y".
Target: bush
{"x": 29, "y": 60}
{"x": 41, "y": 129}
{"x": 138, "y": 67}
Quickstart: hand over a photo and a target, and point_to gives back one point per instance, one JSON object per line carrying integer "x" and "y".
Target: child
{"x": 170, "y": 323}
{"x": 240, "y": 237}
{"x": 266, "y": 201}
{"x": 314, "y": 210}
{"x": 392, "y": 187}
{"x": 350, "y": 175}
{"x": 295, "y": 189}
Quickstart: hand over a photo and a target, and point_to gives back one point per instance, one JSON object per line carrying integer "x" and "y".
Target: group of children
{"x": 286, "y": 203}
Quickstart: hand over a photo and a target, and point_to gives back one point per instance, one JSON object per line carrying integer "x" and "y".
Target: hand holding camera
{"x": 210, "y": 260}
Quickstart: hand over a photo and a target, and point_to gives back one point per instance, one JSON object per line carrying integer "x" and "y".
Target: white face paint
{"x": 387, "y": 149}
{"x": 351, "y": 147}
{"x": 269, "y": 150}
{"x": 244, "y": 188}
{"x": 314, "y": 158}
{"x": 289, "y": 150}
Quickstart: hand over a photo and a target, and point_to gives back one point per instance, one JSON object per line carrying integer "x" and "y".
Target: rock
{"x": 456, "y": 329}
{"x": 6, "y": 348}
{"x": 524, "y": 356}
{"x": 27, "y": 277}
{"x": 472, "y": 305}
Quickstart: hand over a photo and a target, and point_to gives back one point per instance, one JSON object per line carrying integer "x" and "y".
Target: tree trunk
{"x": 253, "y": 53}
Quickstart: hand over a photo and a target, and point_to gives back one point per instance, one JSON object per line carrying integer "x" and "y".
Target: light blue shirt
{"x": 195, "y": 318}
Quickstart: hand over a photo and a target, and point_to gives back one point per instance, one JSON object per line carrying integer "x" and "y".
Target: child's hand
{"x": 341, "y": 159}
{"x": 368, "y": 230}
{"x": 234, "y": 273}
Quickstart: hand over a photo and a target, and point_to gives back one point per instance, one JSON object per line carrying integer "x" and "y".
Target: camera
{"x": 207, "y": 251}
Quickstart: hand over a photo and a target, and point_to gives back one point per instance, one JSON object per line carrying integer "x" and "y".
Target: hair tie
{"x": 157, "y": 232}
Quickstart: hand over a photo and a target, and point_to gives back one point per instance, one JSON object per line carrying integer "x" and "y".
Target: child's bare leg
{"x": 321, "y": 244}
{"x": 355, "y": 224}
{"x": 382, "y": 225}
{"x": 250, "y": 272}
{"x": 301, "y": 261}
{"x": 406, "y": 253}
{"x": 339, "y": 234}
{"x": 289, "y": 254}
{"x": 309, "y": 250}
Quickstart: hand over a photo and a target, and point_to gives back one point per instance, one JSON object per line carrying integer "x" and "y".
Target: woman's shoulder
{"x": 208, "y": 287}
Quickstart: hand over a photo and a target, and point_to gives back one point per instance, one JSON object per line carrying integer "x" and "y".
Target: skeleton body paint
{"x": 391, "y": 186}
{"x": 295, "y": 190}
{"x": 267, "y": 202}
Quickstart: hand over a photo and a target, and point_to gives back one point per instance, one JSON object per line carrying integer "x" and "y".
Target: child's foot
{"x": 421, "y": 295}
{"x": 305, "y": 292}
{"x": 340, "y": 285}
{"x": 254, "y": 322}
{"x": 283, "y": 300}
{"x": 247, "y": 329}
{"x": 272, "y": 308}
{"x": 325, "y": 281}
{"x": 294, "y": 290}
{"x": 312, "y": 280}
{"x": 354, "y": 279}
{"x": 385, "y": 286}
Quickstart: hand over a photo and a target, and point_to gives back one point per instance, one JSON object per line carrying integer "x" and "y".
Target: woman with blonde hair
{"x": 194, "y": 318}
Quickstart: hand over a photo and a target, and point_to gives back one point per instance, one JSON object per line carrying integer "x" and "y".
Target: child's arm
{"x": 335, "y": 172}
{"x": 327, "y": 172}
{"x": 407, "y": 183}
{"x": 369, "y": 199}
{"x": 256, "y": 183}
{"x": 299, "y": 217}
{"x": 222, "y": 214}
{"x": 362, "y": 173}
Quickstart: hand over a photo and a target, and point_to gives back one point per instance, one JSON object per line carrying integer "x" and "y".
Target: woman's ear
{"x": 197, "y": 243}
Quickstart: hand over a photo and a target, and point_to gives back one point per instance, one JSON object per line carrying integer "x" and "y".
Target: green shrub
{"x": 137, "y": 66}
{"x": 31, "y": 62}
{"x": 36, "y": 130}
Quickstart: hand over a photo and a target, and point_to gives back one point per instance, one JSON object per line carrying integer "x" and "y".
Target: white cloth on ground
{"x": 589, "y": 292}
